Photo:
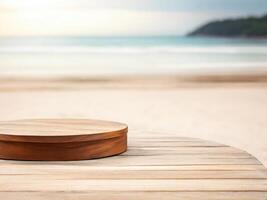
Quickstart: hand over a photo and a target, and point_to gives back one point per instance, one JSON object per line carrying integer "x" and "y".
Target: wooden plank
{"x": 45, "y": 184}
{"x": 13, "y": 165}
{"x": 174, "y": 144}
{"x": 162, "y": 139}
{"x": 170, "y": 160}
{"x": 135, "y": 195}
{"x": 88, "y": 173}
{"x": 184, "y": 153}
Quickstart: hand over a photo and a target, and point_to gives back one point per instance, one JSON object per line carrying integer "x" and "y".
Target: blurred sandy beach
{"x": 229, "y": 109}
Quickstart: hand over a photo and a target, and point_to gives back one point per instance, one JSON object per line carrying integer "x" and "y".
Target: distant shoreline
{"x": 255, "y": 27}
{"x": 228, "y": 37}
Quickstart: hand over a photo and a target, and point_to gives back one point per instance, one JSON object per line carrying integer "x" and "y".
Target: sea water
{"x": 75, "y": 56}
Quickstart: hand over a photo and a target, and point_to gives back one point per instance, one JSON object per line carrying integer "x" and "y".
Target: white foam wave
{"x": 135, "y": 50}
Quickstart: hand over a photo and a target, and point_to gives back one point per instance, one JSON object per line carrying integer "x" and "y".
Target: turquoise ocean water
{"x": 53, "y": 56}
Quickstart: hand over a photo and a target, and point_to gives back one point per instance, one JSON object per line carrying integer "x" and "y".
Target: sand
{"x": 229, "y": 112}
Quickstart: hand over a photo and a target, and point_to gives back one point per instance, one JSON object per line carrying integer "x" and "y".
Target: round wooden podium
{"x": 61, "y": 139}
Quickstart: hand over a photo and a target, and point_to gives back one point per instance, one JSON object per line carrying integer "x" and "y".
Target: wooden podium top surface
{"x": 59, "y": 130}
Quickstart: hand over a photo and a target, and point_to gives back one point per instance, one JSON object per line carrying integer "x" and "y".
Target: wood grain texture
{"x": 156, "y": 166}
{"x": 61, "y": 139}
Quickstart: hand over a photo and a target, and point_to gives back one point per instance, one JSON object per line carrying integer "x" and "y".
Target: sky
{"x": 117, "y": 17}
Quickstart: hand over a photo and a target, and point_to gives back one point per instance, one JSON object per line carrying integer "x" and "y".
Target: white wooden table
{"x": 156, "y": 166}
